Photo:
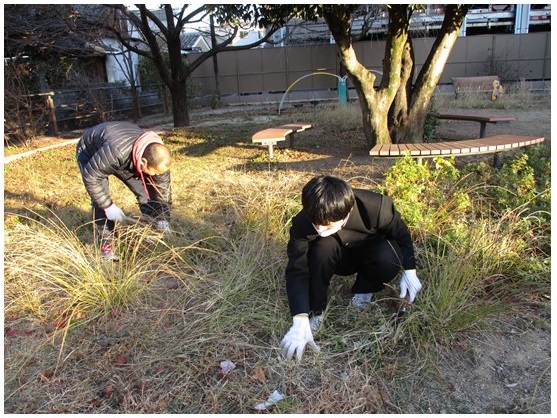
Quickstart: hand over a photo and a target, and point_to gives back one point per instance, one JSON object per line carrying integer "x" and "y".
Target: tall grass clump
{"x": 469, "y": 279}
{"x": 474, "y": 241}
{"x": 266, "y": 206}
{"x": 338, "y": 118}
{"x": 52, "y": 276}
{"x": 250, "y": 263}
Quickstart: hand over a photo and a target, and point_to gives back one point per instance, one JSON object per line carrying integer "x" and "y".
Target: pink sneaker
{"x": 108, "y": 253}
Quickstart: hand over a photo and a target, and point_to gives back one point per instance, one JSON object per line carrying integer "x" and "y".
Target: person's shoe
{"x": 361, "y": 300}
{"x": 108, "y": 253}
{"x": 315, "y": 323}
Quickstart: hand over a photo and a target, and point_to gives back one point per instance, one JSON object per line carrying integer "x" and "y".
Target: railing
{"x": 77, "y": 108}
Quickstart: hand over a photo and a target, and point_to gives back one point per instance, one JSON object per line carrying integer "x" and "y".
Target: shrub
{"x": 476, "y": 234}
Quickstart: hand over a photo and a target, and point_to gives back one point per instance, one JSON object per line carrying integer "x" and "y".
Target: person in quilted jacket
{"x": 343, "y": 231}
{"x": 136, "y": 157}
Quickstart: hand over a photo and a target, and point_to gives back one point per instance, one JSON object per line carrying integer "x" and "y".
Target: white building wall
{"x": 116, "y": 67}
{"x": 249, "y": 38}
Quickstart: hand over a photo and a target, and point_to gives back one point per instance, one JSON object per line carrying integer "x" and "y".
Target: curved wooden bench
{"x": 271, "y": 136}
{"x": 482, "y": 119}
{"x": 492, "y": 144}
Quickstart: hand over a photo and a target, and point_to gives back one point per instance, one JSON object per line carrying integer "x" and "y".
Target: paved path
{"x": 25, "y": 154}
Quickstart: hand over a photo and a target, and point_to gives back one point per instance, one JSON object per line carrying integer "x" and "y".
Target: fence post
{"x": 342, "y": 92}
{"x": 52, "y": 113}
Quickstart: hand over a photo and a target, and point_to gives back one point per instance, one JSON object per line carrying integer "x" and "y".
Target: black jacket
{"x": 106, "y": 149}
{"x": 373, "y": 216}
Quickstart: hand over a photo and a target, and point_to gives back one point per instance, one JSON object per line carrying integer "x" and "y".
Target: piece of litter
{"x": 274, "y": 398}
{"x": 227, "y": 366}
{"x": 512, "y": 385}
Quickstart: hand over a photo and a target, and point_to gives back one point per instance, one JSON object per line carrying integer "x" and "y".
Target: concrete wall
{"x": 265, "y": 74}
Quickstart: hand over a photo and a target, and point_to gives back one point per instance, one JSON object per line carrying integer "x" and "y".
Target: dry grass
{"x": 148, "y": 335}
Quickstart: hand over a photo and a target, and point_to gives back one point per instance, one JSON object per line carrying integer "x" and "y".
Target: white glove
{"x": 297, "y": 337}
{"x": 114, "y": 213}
{"x": 164, "y": 226}
{"x": 410, "y": 283}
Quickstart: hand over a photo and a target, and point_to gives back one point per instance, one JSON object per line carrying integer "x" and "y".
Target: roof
{"x": 193, "y": 41}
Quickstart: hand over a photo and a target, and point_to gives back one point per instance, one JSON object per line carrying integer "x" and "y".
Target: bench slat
{"x": 413, "y": 149}
{"x": 465, "y": 147}
{"x": 385, "y": 150}
{"x": 475, "y": 118}
{"x": 468, "y": 146}
{"x": 422, "y": 149}
{"x": 396, "y": 150}
{"x": 271, "y": 136}
{"x": 434, "y": 148}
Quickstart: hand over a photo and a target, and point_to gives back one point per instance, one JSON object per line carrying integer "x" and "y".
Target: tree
{"x": 42, "y": 48}
{"x": 43, "y": 30}
{"x": 151, "y": 37}
{"x": 397, "y": 110}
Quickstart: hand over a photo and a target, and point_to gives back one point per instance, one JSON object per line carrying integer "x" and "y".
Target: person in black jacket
{"x": 342, "y": 231}
{"x": 140, "y": 160}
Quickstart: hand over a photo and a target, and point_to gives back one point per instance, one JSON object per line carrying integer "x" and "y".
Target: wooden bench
{"x": 481, "y": 84}
{"x": 271, "y": 136}
{"x": 493, "y": 144}
{"x": 482, "y": 119}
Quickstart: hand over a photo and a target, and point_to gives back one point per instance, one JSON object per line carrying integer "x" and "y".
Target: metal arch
{"x": 304, "y": 76}
{"x": 315, "y": 73}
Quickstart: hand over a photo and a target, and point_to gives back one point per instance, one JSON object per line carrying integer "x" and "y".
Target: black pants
{"x": 375, "y": 263}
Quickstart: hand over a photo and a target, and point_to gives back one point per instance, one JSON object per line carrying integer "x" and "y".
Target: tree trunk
{"x": 215, "y": 100}
{"x": 398, "y": 113}
{"x": 180, "y": 105}
{"x": 136, "y": 105}
{"x": 375, "y": 105}
{"x": 412, "y": 105}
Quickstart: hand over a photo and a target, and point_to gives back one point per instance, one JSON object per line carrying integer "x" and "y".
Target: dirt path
{"x": 529, "y": 122}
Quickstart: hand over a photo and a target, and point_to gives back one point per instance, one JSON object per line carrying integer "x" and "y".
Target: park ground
{"x": 108, "y": 368}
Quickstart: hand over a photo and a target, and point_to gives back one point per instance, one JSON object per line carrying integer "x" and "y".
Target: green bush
{"x": 481, "y": 237}
{"x": 428, "y": 197}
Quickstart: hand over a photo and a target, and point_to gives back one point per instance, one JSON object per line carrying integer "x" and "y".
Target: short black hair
{"x": 155, "y": 154}
{"x": 327, "y": 199}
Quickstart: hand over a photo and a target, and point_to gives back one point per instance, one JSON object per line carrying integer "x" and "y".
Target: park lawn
{"x": 149, "y": 334}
